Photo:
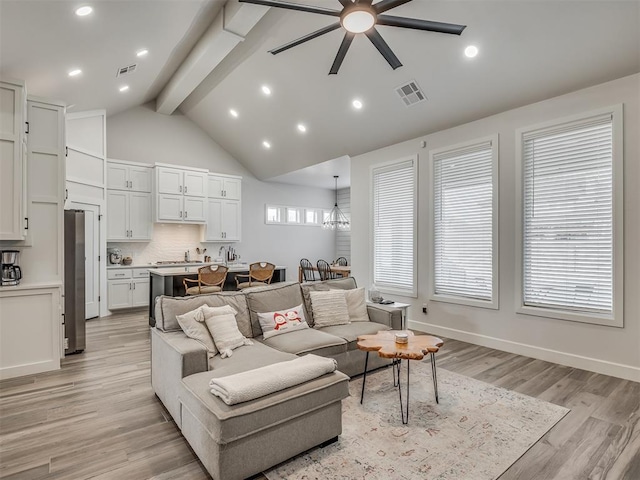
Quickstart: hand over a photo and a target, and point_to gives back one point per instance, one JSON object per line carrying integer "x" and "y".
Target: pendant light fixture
{"x": 336, "y": 218}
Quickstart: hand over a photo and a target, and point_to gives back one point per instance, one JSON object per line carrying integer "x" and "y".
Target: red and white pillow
{"x": 282, "y": 321}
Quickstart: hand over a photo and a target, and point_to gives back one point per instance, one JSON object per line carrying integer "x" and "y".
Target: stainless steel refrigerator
{"x": 74, "y": 281}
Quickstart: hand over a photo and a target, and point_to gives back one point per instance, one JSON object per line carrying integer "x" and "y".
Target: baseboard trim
{"x": 29, "y": 369}
{"x": 627, "y": 372}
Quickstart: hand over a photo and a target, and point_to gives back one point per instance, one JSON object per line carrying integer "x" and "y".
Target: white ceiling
{"x": 529, "y": 51}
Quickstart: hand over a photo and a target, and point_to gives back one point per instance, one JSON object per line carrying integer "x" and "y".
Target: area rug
{"x": 476, "y": 432}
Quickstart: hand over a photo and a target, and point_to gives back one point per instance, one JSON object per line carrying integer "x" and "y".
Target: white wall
{"x": 343, "y": 237}
{"x": 610, "y": 350}
{"x": 142, "y": 135}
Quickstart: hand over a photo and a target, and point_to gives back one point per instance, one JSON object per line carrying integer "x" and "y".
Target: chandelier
{"x": 336, "y": 219}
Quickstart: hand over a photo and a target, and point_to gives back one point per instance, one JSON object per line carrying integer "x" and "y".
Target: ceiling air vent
{"x": 410, "y": 94}
{"x": 128, "y": 70}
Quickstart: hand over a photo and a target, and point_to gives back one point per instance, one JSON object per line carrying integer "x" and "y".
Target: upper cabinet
{"x": 13, "y": 161}
{"x": 222, "y": 186}
{"x": 223, "y": 209}
{"x": 176, "y": 181}
{"x": 129, "y": 201}
{"x": 124, "y": 176}
{"x": 181, "y": 194}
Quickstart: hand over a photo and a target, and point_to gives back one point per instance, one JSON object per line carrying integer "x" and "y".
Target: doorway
{"x": 91, "y": 256}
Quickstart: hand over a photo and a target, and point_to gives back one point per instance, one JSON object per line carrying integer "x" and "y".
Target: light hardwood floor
{"x": 98, "y": 418}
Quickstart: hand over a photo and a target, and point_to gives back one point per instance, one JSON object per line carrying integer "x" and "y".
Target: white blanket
{"x": 262, "y": 381}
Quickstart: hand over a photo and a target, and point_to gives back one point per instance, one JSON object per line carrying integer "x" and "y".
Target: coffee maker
{"x": 11, "y": 273}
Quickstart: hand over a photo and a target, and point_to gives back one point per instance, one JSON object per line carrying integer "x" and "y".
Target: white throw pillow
{"x": 192, "y": 324}
{"x": 329, "y": 308}
{"x": 282, "y": 321}
{"x": 356, "y": 305}
{"x": 221, "y": 322}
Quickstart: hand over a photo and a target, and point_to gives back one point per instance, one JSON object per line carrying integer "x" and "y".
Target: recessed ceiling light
{"x": 266, "y": 144}
{"x": 124, "y": 88}
{"x": 471, "y": 51}
{"x": 142, "y": 53}
{"x": 233, "y": 113}
{"x": 357, "y": 104}
{"x": 75, "y": 72}
{"x": 302, "y": 128}
{"x": 266, "y": 90}
{"x": 84, "y": 11}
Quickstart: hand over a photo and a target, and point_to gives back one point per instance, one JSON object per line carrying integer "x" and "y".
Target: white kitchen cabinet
{"x": 222, "y": 186}
{"x": 195, "y": 184}
{"x": 169, "y": 208}
{"x": 181, "y": 195}
{"x": 13, "y": 161}
{"x": 177, "y": 181}
{"x": 128, "y": 216}
{"x": 223, "y": 220}
{"x": 195, "y": 209}
{"x": 130, "y": 177}
{"x": 119, "y": 294}
{"x": 127, "y": 288}
{"x": 140, "y": 293}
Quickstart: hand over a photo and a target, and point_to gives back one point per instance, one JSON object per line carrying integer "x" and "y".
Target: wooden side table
{"x": 417, "y": 347}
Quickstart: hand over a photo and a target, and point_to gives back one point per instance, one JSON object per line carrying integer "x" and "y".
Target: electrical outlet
{"x": 424, "y": 308}
{"x": 66, "y": 343}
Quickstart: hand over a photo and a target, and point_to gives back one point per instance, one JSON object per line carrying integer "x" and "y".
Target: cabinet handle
{"x": 180, "y": 188}
{"x": 181, "y": 214}
{"x": 224, "y": 193}
{"x": 185, "y": 214}
{"x": 119, "y": 274}
{"x": 131, "y": 233}
{"x": 27, "y": 131}
{"x": 185, "y": 189}
{"x": 134, "y": 286}
{"x": 129, "y": 286}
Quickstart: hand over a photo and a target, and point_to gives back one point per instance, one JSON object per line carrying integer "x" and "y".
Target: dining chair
{"x": 211, "y": 279}
{"x": 260, "y": 275}
{"x": 308, "y": 272}
{"x": 324, "y": 269}
{"x": 342, "y": 261}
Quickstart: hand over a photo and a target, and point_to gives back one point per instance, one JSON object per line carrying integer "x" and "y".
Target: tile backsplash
{"x": 170, "y": 241}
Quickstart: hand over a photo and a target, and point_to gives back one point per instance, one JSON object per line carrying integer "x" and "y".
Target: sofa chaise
{"x": 238, "y": 441}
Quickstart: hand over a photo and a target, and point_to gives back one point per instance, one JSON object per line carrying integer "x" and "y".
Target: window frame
{"x": 413, "y": 291}
{"x": 494, "y": 303}
{"x": 616, "y": 317}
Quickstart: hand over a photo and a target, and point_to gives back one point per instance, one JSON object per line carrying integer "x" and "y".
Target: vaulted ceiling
{"x": 528, "y": 51}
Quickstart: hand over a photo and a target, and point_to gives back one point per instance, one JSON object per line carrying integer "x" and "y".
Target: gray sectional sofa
{"x": 237, "y": 441}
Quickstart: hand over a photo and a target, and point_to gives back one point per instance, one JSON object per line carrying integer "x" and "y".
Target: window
{"x": 283, "y": 215}
{"x": 394, "y": 225}
{"x": 464, "y": 223}
{"x": 571, "y": 223}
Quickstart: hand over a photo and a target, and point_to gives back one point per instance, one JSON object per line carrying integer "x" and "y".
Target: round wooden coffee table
{"x": 415, "y": 349}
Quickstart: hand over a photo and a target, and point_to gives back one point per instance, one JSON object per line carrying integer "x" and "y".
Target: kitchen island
{"x": 168, "y": 281}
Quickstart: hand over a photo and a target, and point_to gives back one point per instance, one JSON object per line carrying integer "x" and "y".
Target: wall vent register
{"x": 128, "y": 70}
{"x": 410, "y": 93}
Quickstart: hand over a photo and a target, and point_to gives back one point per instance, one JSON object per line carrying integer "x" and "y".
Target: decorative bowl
{"x": 127, "y": 261}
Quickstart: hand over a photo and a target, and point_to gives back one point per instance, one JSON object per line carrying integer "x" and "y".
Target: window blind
{"x": 394, "y": 201}
{"x": 463, "y": 222}
{"x": 568, "y": 216}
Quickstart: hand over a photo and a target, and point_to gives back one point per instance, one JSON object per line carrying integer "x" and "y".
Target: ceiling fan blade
{"x": 306, "y": 38}
{"x": 294, "y": 6}
{"x": 342, "y": 52}
{"x": 365, "y": 2}
{"x": 418, "y": 24}
{"x": 346, "y": 3}
{"x": 385, "y": 5}
{"x": 383, "y": 48}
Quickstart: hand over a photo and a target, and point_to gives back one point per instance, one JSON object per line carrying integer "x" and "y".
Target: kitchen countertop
{"x": 163, "y": 265}
{"x": 169, "y": 272}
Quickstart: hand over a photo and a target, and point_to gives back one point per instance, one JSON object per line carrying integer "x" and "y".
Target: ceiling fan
{"x": 359, "y": 16}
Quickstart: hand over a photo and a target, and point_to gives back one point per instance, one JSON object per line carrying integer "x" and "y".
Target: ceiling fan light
{"x": 358, "y": 20}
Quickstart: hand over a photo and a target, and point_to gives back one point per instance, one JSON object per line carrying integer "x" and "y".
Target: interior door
{"x": 92, "y": 253}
